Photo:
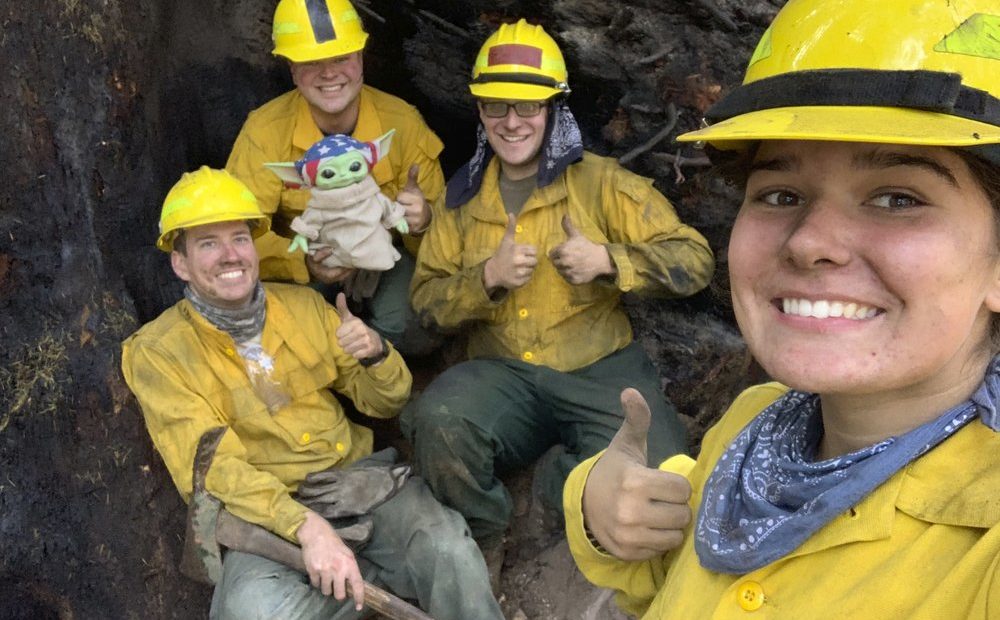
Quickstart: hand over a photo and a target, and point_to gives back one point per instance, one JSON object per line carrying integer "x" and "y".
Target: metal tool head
{"x": 202, "y": 556}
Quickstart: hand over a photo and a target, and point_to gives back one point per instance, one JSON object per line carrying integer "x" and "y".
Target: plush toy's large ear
{"x": 380, "y": 147}
{"x": 286, "y": 172}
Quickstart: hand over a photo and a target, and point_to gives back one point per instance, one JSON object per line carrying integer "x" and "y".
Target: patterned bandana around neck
{"x": 562, "y": 145}
{"x": 766, "y": 495}
{"x": 242, "y": 324}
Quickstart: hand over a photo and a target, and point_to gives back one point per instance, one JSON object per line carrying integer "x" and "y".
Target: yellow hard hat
{"x": 519, "y": 61}
{"x": 922, "y": 72}
{"x": 207, "y": 196}
{"x": 306, "y": 30}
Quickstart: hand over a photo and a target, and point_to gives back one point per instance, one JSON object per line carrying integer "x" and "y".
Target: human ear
{"x": 179, "y": 264}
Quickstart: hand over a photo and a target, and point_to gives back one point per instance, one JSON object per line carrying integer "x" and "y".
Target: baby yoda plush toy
{"x": 346, "y": 211}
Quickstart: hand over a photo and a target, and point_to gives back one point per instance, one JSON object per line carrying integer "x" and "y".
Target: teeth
{"x": 514, "y": 138}
{"x": 822, "y": 309}
{"x": 231, "y": 275}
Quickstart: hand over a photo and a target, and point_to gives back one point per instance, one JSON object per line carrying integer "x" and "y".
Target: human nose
{"x": 818, "y": 236}
{"x": 230, "y": 252}
{"x": 511, "y": 120}
{"x": 327, "y": 69}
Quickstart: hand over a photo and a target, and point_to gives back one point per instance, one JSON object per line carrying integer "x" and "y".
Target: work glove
{"x": 352, "y": 491}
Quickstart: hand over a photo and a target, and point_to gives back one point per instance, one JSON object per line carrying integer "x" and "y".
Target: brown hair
{"x": 180, "y": 242}
{"x": 987, "y": 174}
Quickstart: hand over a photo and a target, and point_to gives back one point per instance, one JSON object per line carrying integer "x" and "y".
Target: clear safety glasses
{"x": 500, "y": 109}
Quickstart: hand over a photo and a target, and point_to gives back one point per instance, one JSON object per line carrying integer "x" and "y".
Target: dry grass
{"x": 33, "y": 379}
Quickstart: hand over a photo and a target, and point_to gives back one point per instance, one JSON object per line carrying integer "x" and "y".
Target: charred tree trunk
{"x": 106, "y": 103}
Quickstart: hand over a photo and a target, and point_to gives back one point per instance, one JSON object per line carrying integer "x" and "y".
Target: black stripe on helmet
{"x": 321, "y": 21}
{"x": 520, "y": 78}
{"x": 933, "y": 91}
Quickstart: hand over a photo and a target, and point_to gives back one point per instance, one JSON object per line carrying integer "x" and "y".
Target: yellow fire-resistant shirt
{"x": 549, "y": 321}
{"x": 189, "y": 377}
{"x": 925, "y": 545}
{"x": 283, "y": 129}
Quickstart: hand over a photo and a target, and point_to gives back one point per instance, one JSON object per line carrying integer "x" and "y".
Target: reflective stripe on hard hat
{"x": 514, "y": 54}
{"x": 320, "y": 20}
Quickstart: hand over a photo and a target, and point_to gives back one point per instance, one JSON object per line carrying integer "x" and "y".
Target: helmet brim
{"x": 881, "y": 125}
{"x": 512, "y": 91}
{"x": 260, "y": 224}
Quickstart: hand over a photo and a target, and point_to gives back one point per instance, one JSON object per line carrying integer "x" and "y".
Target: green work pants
{"x": 486, "y": 417}
{"x": 419, "y": 550}
{"x": 389, "y": 312}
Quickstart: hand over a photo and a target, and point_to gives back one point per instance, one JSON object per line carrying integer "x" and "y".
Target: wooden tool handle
{"x": 239, "y": 535}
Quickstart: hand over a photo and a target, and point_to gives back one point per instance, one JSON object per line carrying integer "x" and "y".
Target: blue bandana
{"x": 767, "y": 495}
{"x": 561, "y": 147}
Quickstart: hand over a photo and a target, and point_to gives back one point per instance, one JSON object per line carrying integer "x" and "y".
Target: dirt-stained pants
{"x": 419, "y": 550}
{"x": 485, "y": 417}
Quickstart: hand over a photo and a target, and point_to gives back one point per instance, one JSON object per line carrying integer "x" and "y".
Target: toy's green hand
{"x": 403, "y": 227}
{"x": 299, "y": 243}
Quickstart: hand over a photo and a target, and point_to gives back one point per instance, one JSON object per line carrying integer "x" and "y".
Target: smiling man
{"x": 323, "y": 41}
{"x": 537, "y": 243}
{"x": 261, "y": 362}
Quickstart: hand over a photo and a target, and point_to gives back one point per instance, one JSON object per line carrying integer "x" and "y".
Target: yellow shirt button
{"x": 527, "y": 356}
{"x": 339, "y": 447}
{"x": 305, "y": 438}
{"x": 230, "y": 352}
{"x": 750, "y": 595}
{"x": 523, "y": 313}
{"x": 518, "y": 228}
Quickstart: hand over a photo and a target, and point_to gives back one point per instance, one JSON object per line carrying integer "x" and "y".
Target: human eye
{"x": 207, "y": 244}
{"x": 780, "y": 198}
{"x": 495, "y": 109}
{"x": 895, "y": 200}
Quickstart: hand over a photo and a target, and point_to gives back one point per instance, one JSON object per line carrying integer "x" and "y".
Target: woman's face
{"x": 864, "y": 269}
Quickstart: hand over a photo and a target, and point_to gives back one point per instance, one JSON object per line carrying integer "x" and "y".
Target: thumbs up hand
{"x": 634, "y": 511}
{"x": 512, "y": 264}
{"x": 578, "y": 259}
{"x": 355, "y": 338}
{"x": 417, "y": 211}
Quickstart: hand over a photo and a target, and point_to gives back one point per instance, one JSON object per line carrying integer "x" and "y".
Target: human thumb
{"x": 411, "y": 178}
{"x": 631, "y": 437}
{"x": 508, "y": 235}
{"x": 567, "y": 225}
{"x": 342, "y": 309}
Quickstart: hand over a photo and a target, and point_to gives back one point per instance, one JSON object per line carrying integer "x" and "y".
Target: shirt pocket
{"x": 480, "y": 241}
{"x": 564, "y": 296}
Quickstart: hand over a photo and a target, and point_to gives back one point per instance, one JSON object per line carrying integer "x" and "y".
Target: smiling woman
{"x": 865, "y": 276}
{"x": 901, "y": 240}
